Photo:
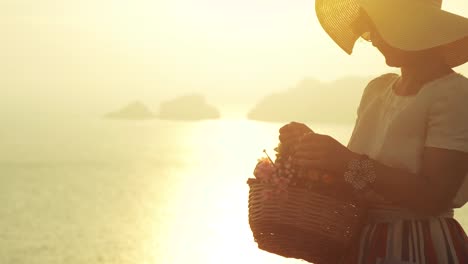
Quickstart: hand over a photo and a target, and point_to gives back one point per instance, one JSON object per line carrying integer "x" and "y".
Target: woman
{"x": 409, "y": 149}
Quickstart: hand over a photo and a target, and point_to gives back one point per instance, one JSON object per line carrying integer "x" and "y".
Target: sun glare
{"x": 210, "y": 223}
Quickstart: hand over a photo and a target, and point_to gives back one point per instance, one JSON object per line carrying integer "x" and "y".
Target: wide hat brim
{"x": 410, "y": 25}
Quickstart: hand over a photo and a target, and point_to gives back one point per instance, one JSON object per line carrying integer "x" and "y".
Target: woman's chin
{"x": 392, "y": 63}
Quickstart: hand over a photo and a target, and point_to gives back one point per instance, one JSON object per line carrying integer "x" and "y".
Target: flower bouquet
{"x": 301, "y": 213}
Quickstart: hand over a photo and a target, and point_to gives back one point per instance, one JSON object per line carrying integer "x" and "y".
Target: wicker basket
{"x": 304, "y": 225}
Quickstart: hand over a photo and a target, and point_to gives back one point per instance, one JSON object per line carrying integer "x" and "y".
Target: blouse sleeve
{"x": 373, "y": 88}
{"x": 447, "y": 125}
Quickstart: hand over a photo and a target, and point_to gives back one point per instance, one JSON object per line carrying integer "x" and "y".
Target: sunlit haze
{"x": 63, "y": 53}
{"x": 91, "y": 172}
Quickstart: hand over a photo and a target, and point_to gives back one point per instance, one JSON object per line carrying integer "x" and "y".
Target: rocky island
{"x": 133, "y": 111}
{"x": 312, "y": 101}
{"x": 188, "y": 107}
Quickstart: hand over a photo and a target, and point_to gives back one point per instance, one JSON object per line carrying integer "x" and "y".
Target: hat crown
{"x": 409, "y": 25}
{"x": 381, "y": 3}
{"x": 435, "y": 3}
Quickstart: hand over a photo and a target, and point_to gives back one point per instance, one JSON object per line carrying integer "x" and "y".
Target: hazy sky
{"x": 54, "y": 50}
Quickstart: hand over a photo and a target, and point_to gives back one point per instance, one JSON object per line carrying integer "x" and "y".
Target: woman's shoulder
{"x": 386, "y": 77}
{"x": 458, "y": 83}
{"x": 378, "y": 85}
{"x": 381, "y": 83}
{"x": 451, "y": 86}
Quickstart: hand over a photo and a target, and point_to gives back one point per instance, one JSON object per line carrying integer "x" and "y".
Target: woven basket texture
{"x": 304, "y": 224}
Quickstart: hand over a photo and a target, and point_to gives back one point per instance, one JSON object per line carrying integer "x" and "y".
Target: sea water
{"x": 88, "y": 190}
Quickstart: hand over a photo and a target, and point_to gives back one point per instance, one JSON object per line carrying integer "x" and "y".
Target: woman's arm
{"x": 433, "y": 189}
{"x": 430, "y": 192}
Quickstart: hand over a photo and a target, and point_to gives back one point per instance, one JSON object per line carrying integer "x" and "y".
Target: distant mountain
{"x": 133, "y": 111}
{"x": 188, "y": 107}
{"x": 312, "y": 101}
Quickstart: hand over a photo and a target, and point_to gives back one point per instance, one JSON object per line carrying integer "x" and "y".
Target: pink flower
{"x": 264, "y": 169}
{"x": 277, "y": 180}
{"x": 283, "y": 183}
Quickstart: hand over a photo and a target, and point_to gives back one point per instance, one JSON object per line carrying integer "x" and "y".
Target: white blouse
{"x": 395, "y": 129}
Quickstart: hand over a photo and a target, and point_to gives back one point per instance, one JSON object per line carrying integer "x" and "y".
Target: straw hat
{"x": 409, "y": 25}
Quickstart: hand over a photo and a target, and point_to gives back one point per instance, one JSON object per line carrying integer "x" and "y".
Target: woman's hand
{"x": 323, "y": 152}
{"x": 292, "y": 132}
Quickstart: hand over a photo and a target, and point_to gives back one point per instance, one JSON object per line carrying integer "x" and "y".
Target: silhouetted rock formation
{"x": 188, "y": 107}
{"x": 133, "y": 111}
{"x": 312, "y": 101}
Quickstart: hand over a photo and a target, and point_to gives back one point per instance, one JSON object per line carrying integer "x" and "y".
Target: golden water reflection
{"x": 207, "y": 218}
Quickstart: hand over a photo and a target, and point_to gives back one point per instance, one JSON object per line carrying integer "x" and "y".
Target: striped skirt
{"x": 437, "y": 240}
